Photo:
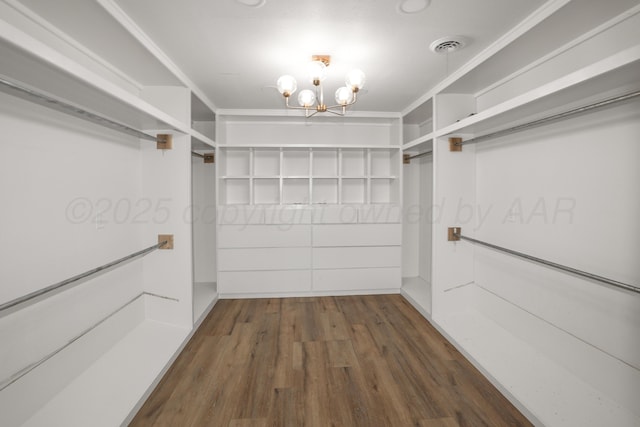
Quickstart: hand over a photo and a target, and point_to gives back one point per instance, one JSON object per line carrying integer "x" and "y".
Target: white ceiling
{"x": 235, "y": 53}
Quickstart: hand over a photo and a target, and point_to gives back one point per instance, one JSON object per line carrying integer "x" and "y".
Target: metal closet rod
{"x": 193, "y": 153}
{"x": 571, "y": 270}
{"x": 559, "y": 116}
{"x": 64, "y": 107}
{"x": 56, "y": 286}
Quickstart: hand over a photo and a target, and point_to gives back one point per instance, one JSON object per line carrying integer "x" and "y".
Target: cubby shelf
{"x": 309, "y": 175}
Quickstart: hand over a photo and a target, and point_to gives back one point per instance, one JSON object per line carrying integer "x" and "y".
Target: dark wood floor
{"x": 333, "y": 361}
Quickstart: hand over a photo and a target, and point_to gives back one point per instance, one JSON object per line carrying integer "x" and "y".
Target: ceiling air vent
{"x": 448, "y": 44}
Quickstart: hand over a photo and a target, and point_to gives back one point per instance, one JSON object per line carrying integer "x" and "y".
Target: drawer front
{"x": 287, "y": 215}
{"x": 357, "y": 235}
{"x": 264, "y": 236}
{"x": 332, "y": 214}
{"x": 264, "y": 259}
{"x": 353, "y": 279}
{"x": 380, "y": 214}
{"x": 240, "y": 215}
{"x": 357, "y": 257}
{"x": 238, "y": 282}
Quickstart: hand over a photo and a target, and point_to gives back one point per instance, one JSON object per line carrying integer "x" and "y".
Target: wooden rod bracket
{"x": 209, "y": 157}
{"x": 455, "y": 144}
{"x": 166, "y": 238}
{"x": 453, "y": 234}
{"x": 406, "y": 159}
{"x": 164, "y": 141}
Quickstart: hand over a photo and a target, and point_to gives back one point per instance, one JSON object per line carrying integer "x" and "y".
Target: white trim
{"x": 296, "y": 114}
{"x": 37, "y": 19}
{"x": 310, "y": 293}
{"x": 129, "y": 24}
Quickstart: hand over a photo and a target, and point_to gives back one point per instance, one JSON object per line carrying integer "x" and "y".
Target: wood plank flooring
{"x": 332, "y": 361}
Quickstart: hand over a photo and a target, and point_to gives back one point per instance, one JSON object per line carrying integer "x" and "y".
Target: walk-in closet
{"x": 320, "y": 197}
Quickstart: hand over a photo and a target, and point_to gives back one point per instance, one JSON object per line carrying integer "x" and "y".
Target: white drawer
{"x": 264, "y": 236}
{"x": 357, "y": 257}
{"x": 287, "y": 215}
{"x": 264, "y": 259}
{"x": 379, "y": 214}
{"x": 237, "y": 282}
{"x": 357, "y": 235}
{"x": 335, "y": 214}
{"x": 352, "y": 279}
{"x": 241, "y": 214}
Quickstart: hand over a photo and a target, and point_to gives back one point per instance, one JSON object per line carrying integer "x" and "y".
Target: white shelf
{"x": 108, "y": 391}
{"x": 553, "y": 395}
{"x": 203, "y": 142}
{"x": 35, "y": 65}
{"x": 611, "y": 76}
{"x": 418, "y": 141}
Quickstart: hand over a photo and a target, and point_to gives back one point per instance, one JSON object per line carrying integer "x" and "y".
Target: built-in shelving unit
{"x": 37, "y": 66}
{"x": 258, "y": 175}
{"x": 480, "y": 306}
{"x": 611, "y": 76}
{"x": 125, "y": 346}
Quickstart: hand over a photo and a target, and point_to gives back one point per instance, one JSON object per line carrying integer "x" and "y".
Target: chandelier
{"x": 312, "y": 102}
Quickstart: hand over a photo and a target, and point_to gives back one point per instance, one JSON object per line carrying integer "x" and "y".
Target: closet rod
{"x": 194, "y": 154}
{"x": 571, "y": 270}
{"x": 56, "y": 104}
{"x": 563, "y": 115}
{"x": 415, "y": 156}
{"x": 78, "y": 277}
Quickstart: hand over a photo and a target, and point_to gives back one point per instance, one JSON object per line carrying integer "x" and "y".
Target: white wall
{"x": 418, "y": 211}
{"x": 429, "y": 211}
{"x": 204, "y": 220}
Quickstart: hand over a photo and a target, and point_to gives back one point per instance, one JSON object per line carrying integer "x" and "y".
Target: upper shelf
{"x": 32, "y": 64}
{"x": 611, "y": 76}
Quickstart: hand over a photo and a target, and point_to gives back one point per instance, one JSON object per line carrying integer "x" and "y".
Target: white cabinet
{"x": 309, "y": 208}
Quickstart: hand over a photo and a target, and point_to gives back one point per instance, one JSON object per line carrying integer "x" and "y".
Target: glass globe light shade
{"x": 286, "y": 85}
{"x": 306, "y": 98}
{"x": 344, "y": 95}
{"x": 355, "y": 80}
{"x": 317, "y": 71}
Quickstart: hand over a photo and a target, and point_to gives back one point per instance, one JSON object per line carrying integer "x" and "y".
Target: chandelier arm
{"x": 343, "y": 106}
{"x": 292, "y": 107}
{"x": 337, "y": 113}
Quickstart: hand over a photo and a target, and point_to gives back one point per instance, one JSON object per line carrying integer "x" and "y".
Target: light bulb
{"x": 344, "y": 95}
{"x": 317, "y": 71}
{"x": 287, "y": 85}
{"x": 306, "y": 98}
{"x": 355, "y": 80}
